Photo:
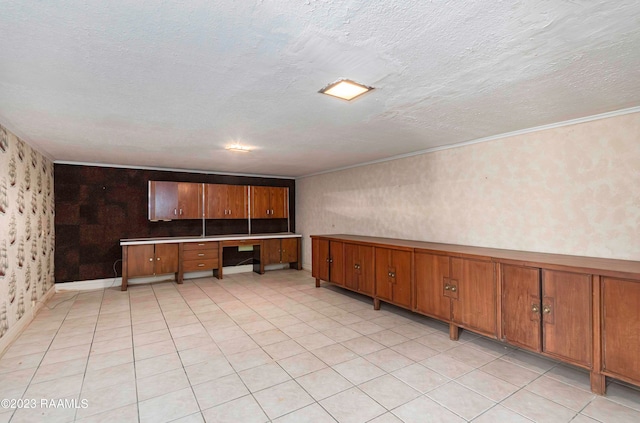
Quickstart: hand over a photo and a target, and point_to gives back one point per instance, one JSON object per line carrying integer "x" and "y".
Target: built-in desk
{"x": 180, "y": 255}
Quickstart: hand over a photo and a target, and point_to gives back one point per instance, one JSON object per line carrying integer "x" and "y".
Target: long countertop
{"x": 234, "y": 237}
{"x": 595, "y": 265}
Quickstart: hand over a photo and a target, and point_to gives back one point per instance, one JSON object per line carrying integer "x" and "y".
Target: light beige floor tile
{"x": 208, "y": 370}
{"x": 282, "y": 399}
{"x": 358, "y": 370}
{"x": 570, "y": 375}
{"x": 470, "y": 356}
{"x": 8, "y": 365}
{"x": 490, "y": 346}
{"x": 159, "y": 364}
{"x": 352, "y": 406}
{"x": 462, "y": 401}
{"x": 151, "y": 337}
{"x": 334, "y": 354}
{"x": 153, "y": 350}
{"x": 314, "y": 341}
{"x": 447, "y": 365}
{"x": 414, "y": 350}
{"x": 389, "y": 391}
{"x": 531, "y": 361}
{"x": 341, "y": 334}
{"x": 625, "y": 395}
{"x": 248, "y": 359}
{"x": 186, "y": 330}
{"x": 191, "y": 418}
{"x": 162, "y": 383}
{"x": 301, "y": 364}
{"x": 561, "y": 393}
{"x": 388, "y": 338}
{"x": 610, "y": 412}
{"x": 199, "y": 354}
{"x": 71, "y": 341}
{"x": 363, "y": 345}
{"x": 219, "y": 391}
{"x": 298, "y": 330}
{"x": 386, "y": 418}
{"x": 500, "y": 414}
{"x": 108, "y": 334}
{"x": 46, "y": 414}
{"x": 324, "y": 383}
{"x": 245, "y": 410}
{"x": 152, "y": 326}
{"x": 538, "y": 409}
{"x": 54, "y": 371}
{"x": 284, "y": 349}
{"x": 420, "y": 378}
{"x": 411, "y": 331}
{"x": 310, "y": 414}
{"x": 69, "y": 386}
{"x": 27, "y": 348}
{"x": 366, "y": 327}
{"x": 126, "y": 414}
{"x": 236, "y": 345}
{"x": 262, "y": 377}
{"x": 510, "y": 372}
{"x": 116, "y": 375}
{"x": 388, "y": 360}
{"x": 17, "y": 381}
{"x": 487, "y": 385}
{"x": 269, "y": 337}
{"x": 168, "y": 407}
{"x": 416, "y": 410}
{"x": 106, "y": 399}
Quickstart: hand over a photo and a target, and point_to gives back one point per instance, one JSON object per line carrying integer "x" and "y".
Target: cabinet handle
{"x": 201, "y": 255}
{"x": 330, "y": 260}
{"x": 546, "y": 309}
{"x": 271, "y": 211}
{"x": 447, "y": 287}
{"x": 175, "y": 212}
{"x": 267, "y": 211}
{"x": 535, "y": 308}
{"x": 453, "y": 288}
{"x": 200, "y": 244}
{"x": 327, "y": 260}
{"x": 180, "y": 212}
{"x": 201, "y": 265}
{"x": 151, "y": 259}
{"x": 229, "y": 212}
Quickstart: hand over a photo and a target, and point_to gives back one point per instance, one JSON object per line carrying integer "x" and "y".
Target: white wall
{"x": 26, "y": 231}
{"x": 568, "y": 190}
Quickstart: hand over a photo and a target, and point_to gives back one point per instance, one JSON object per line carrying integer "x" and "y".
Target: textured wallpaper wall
{"x": 569, "y": 190}
{"x": 26, "y": 228}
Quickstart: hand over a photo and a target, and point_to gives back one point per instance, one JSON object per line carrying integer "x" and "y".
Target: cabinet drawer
{"x": 190, "y": 246}
{"x": 200, "y": 254}
{"x": 207, "y": 264}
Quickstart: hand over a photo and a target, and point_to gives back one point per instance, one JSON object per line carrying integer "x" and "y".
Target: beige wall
{"x": 26, "y": 229}
{"x": 569, "y": 190}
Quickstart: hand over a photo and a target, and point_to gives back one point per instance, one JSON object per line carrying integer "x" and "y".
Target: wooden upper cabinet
{"x": 620, "y": 333}
{"x": 432, "y": 275}
{"x": 393, "y": 275}
{"x": 473, "y": 294}
{"x": 521, "y": 306}
{"x": 566, "y": 316}
{"x": 358, "y": 268}
{"x": 269, "y": 202}
{"x": 225, "y": 201}
{"x": 174, "y": 200}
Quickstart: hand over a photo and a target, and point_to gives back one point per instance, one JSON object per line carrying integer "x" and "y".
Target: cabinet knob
{"x": 535, "y": 308}
{"x": 158, "y": 258}
{"x": 546, "y": 309}
{"x": 453, "y": 288}
{"x": 151, "y": 259}
{"x": 175, "y": 212}
{"x": 447, "y": 287}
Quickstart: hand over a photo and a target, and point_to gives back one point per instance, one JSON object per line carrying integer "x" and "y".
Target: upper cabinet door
{"x": 278, "y": 201}
{"x": 260, "y": 205}
{"x": 215, "y": 201}
{"x": 163, "y": 200}
{"x": 189, "y": 200}
{"x": 237, "y": 202}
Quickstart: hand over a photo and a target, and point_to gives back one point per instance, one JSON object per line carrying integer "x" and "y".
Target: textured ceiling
{"x": 171, "y": 83}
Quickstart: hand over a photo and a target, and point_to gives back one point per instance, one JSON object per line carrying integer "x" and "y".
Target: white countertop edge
{"x": 170, "y": 240}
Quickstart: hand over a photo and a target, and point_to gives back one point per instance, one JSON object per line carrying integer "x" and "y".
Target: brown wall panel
{"x": 97, "y": 206}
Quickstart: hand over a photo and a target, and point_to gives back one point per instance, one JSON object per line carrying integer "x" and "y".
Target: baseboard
{"x": 113, "y": 282}
{"x": 15, "y": 331}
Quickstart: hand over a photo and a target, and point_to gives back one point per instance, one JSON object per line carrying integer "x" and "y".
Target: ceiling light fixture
{"x": 345, "y": 89}
{"x": 238, "y": 147}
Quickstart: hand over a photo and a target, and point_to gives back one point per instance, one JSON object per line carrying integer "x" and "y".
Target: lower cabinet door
{"x": 289, "y": 250}
{"x": 366, "y": 281}
{"x": 272, "y": 251}
{"x": 432, "y": 273}
{"x": 166, "y": 258}
{"x": 140, "y": 260}
{"x": 620, "y": 330}
{"x": 401, "y": 269}
{"x": 566, "y": 316}
{"x": 384, "y": 281}
{"x": 521, "y": 306}
{"x": 351, "y": 263}
{"x": 474, "y": 294}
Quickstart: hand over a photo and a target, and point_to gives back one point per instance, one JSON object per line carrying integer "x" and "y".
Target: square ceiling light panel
{"x": 345, "y": 89}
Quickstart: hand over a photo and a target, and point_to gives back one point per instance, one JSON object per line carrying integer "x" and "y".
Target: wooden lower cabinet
{"x": 328, "y": 261}
{"x": 458, "y": 290}
{"x": 278, "y": 250}
{"x": 358, "y": 268}
{"x": 548, "y": 311}
{"x": 199, "y": 256}
{"x": 393, "y": 276}
{"x": 621, "y": 329}
{"x": 149, "y": 260}
{"x": 578, "y": 310}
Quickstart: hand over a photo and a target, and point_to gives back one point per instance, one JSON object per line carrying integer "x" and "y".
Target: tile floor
{"x": 256, "y": 348}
